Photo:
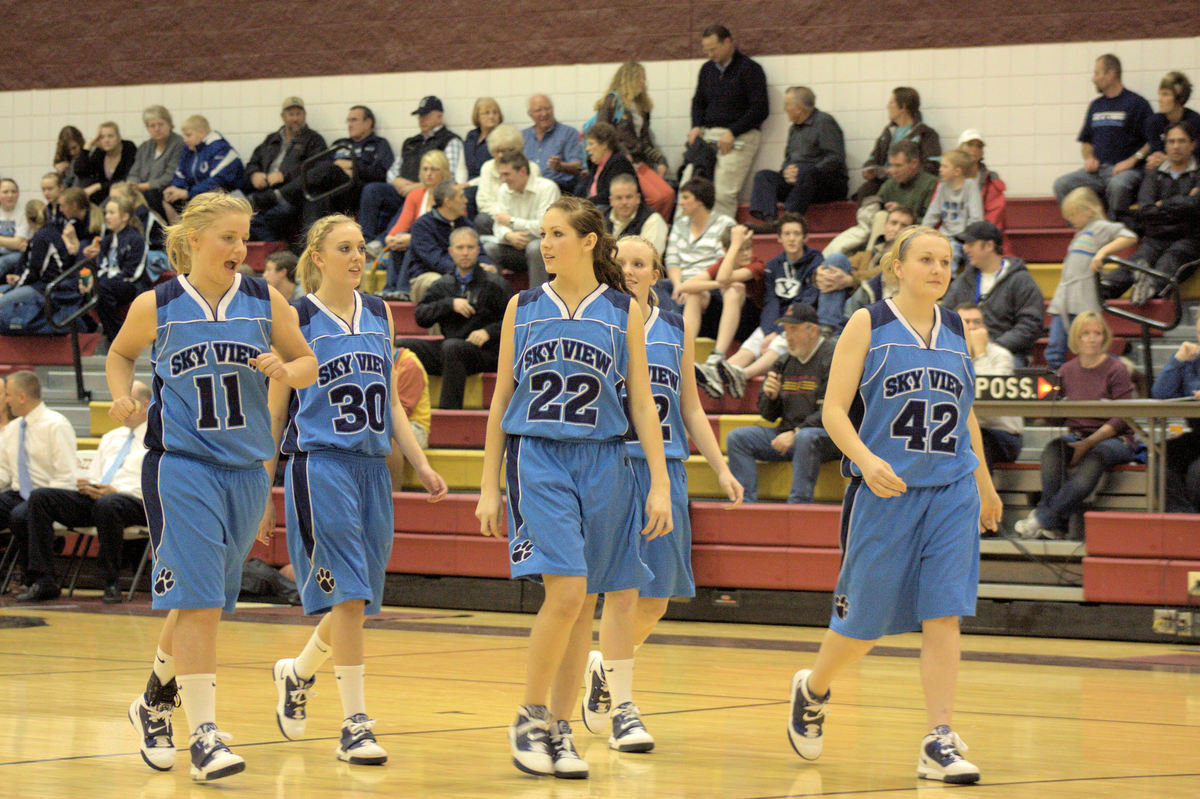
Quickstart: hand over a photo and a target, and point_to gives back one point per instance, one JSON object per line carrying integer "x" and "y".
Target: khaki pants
{"x": 871, "y": 219}
{"x": 732, "y": 169}
{"x": 421, "y": 283}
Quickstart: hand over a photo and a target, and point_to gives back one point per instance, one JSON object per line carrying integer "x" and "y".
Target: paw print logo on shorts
{"x": 325, "y": 580}
{"x": 841, "y": 606}
{"x": 164, "y": 582}
{"x": 521, "y": 551}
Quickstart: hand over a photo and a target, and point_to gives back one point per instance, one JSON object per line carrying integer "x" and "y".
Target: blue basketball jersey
{"x": 915, "y": 399}
{"x": 664, "y": 352}
{"x": 208, "y": 402}
{"x": 569, "y": 369}
{"x": 349, "y": 407}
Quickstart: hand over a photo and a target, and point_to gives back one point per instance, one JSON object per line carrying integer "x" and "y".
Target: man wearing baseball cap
{"x": 1002, "y": 288}
{"x": 276, "y": 162}
{"x": 991, "y": 187}
{"x": 791, "y": 393}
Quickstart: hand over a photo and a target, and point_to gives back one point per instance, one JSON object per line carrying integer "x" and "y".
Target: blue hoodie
{"x": 785, "y": 282}
{"x": 214, "y": 164}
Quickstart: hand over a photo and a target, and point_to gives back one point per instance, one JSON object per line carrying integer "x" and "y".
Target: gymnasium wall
{"x": 1018, "y": 71}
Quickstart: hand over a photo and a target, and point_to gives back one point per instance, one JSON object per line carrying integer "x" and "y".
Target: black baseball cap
{"x": 428, "y": 103}
{"x": 982, "y": 231}
{"x": 799, "y": 313}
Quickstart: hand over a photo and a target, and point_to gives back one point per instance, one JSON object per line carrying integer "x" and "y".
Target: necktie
{"x": 115, "y": 466}
{"x": 24, "y": 481}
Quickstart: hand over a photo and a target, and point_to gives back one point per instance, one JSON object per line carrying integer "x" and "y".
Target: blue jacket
{"x": 44, "y": 258}
{"x": 212, "y": 165}
{"x": 1177, "y": 379}
{"x": 784, "y": 283}
{"x": 373, "y": 154}
{"x": 428, "y": 251}
{"x": 128, "y": 262}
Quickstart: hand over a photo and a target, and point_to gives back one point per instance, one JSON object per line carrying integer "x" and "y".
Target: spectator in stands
{"x": 280, "y": 273}
{"x": 38, "y": 451}
{"x": 627, "y": 108}
{"x": 43, "y": 259}
{"x": 605, "y": 161}
{"x": 956, "y": 201}
{"x": 515, "y": 242}
{"x": 157, "y": 158}
{"x": 208, "y": 162}
{"x": 695, "y": 240}
{"x": 1173, "y": 93}
{"x": 504, "y": 139}
{"x": 1000, "y": 285}
{"x": 722, "y": 301}
{"x": 109, "y": 498}
{"x": 1112, "y": 138}
{"x": 1180, "y": 379}
{"x": 468, "y": 306}
{"x": 412, "y": 389}
{"x": 904, "y": 124}
{"x": 627, "y": 215}
{"x": 792, "y": 393}
{"x": 1073, "y": 464}
{"x": 908, "y": 185}
{"x": 380, "y": 201}
{"x": 1001, "y": 434}
{"x": 1096, "y": 239}
{"x": 83, "y": 220}
{"x": 435, "y": 169}
{"x": 874, "y": 284}
{"x": 814, "y": 162}
{"x": 153, "y": 227}
{"x": 14, "y": 229}
{"x": 428, "y": 256}
{"x": 362, "y": 158}
{"x": 991, "y": 187}
{"x": 485, "y": 116}
{"x": 52, "y": 188}
{"x": 66, "y": 150}
{"x": 553, "y": 146}
{"x": 1168, "y": 214}
{"x": 277, "y": 162}
{"x": 120, "y": 273}
{"x": 728, "y": 108}
{"x": 106, "y": 160}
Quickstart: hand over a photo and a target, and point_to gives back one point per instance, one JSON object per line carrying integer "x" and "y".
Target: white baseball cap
{"x": 970, "y": 134}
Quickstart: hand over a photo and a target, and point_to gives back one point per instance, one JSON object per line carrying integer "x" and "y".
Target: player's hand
{"x": 880, "y": 478}
{"x": 266, "y": 525}
{"x": 1078, "y": 450}
{"x": 732, "y": 488}
{"x": 269, "y": 364}
{"x": 784, "y": 441}
{"x": 487, "y": 511}
{"x": 990, "y": 510}
{"x": 770, "y": 386}
{"x": 1188, "y": 351}
{"x": 122, "y": 409}
{"x": 658, "y": 514}
{"x": 433, "y": 483}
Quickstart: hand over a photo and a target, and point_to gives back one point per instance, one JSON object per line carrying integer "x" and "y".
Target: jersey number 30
{"x": 580, "y": 405}
{"x": 360, "y": 408}
{"x": 913, "y": 425}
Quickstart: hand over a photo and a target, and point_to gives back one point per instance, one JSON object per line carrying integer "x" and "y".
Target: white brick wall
{"x": 1028, "y": 101}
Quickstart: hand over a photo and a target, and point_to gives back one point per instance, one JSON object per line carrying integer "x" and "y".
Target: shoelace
{"x": 630, "y": 718}
{"x": 949, "y": 747}
{"x": 600, "y": 696}
{"x": 566, "y": 745}
{"x": 534, "y": 730}
{"x": 212, "y": 738}
{"x": 813, "y": 717}
{"x": 298, "y": 698}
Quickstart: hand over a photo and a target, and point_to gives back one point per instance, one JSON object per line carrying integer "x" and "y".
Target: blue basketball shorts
{"x": 572, "y": 511}
{"x": 906, "y": 559}
{"x": 202, "y": 519}
{"x": 340, "y": 523}
{"x": 668, "y": 556}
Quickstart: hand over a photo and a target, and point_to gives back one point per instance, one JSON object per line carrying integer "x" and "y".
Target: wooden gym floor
{"x": 1043, "y": 718}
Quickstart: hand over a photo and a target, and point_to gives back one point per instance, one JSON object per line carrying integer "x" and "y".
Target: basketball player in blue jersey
{"x": 669, "y": 345}
{"x": 209, "y": 433}
{"x": 568, "y": 349}
{"x": 898, "y": 406}
{"x": 338, "y": 491}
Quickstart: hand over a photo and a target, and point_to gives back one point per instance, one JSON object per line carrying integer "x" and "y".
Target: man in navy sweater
{"x": 728, "y": 108}
{"x": 1111, "y": 140}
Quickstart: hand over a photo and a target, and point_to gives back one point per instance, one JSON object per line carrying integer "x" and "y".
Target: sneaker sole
{"x": 280, "y": 691}
{"x": 928, "y": 773}
{"x": 570, "y": 775}
{"x": 635, "y": 747}
{"x": 141, "y": 748}
{"x": 357, "y": 760}
{"x": 735, "y": 387}
{"x": 227, "y": 771}
{"x": 796, "y": 678}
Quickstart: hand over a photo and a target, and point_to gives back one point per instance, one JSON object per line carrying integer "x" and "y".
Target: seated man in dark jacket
{"x": 1012, "y": 304}
{"x": 275, "y": 163}
{"x": 468, "y": 305}
{"x": 427, "y": 257}
{"x": 361, "y": 158}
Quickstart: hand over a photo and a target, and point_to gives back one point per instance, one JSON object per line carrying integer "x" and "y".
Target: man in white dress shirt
{"x": 37, "y": 450}
{"x": 515, "y": 242}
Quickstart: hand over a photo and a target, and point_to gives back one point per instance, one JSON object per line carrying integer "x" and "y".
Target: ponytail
{"x": 35, "y": 214}
{"x": 201, "y": 211}
{"x": 307, "y": 270}
{"x": 585, "y": 218}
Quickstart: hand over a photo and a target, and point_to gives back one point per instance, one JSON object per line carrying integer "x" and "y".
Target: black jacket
{"x": 416, "y": 146}
{"x": 89, "y": 169}
{"x": 305, "y": 144}
{"x": 617, "y": 164}
{"x": 1178, "y": 216}
{"x": 487, "y": 294}
{"x": 734, "y": 99}
{"x": 1013, "y": 311}
{"x": 801, "y": 389}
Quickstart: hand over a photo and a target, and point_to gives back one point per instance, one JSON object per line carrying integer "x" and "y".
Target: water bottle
{"x": 85, "y": 279}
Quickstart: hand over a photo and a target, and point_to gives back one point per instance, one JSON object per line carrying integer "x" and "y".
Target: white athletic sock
{"x": 315, "y": 653}
{"x": 164, "y": 666}
{"x": 198, "y": 694}
{"x": 619, "y": 675}
{"x": 350, "y": 687}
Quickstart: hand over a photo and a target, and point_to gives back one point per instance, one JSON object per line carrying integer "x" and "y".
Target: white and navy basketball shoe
{"x": 941, "y": 758}
{"x": 150, "y": 715}
{"x": 596, "y": 700}
{"x": 291, "y": 712}
{"x": 529, "y": 739}
{"x": 567, "y": 762}
{"x": 211, "y": 758}
{"x": 357, "y": 745}
{"x": 628, "y": 732}
{"x": 808, "y": 717}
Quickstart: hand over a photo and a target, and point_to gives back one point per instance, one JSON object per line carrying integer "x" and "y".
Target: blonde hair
{"x": 628, "y": 82}
{"x": 201, "y": 212}
{"x": 957, "y": 158}
{"x": 196, "y": 123}
{"x": 504, "y": 137}
{"x": 895, "y": 253}
{"x": 113, "y": 126}
{"x": 129, "y": 190}
{"x": 657, "y": 260}
{"x": 1083, "y": 319}
{"x": 307, "y": 271}
{"x": 439, "y": 160}
{"x": 1083, "y": 199}
{"x": 479, "y": 104}
{"x": 125, "y": 206}
{"x": 35, "y": 214}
